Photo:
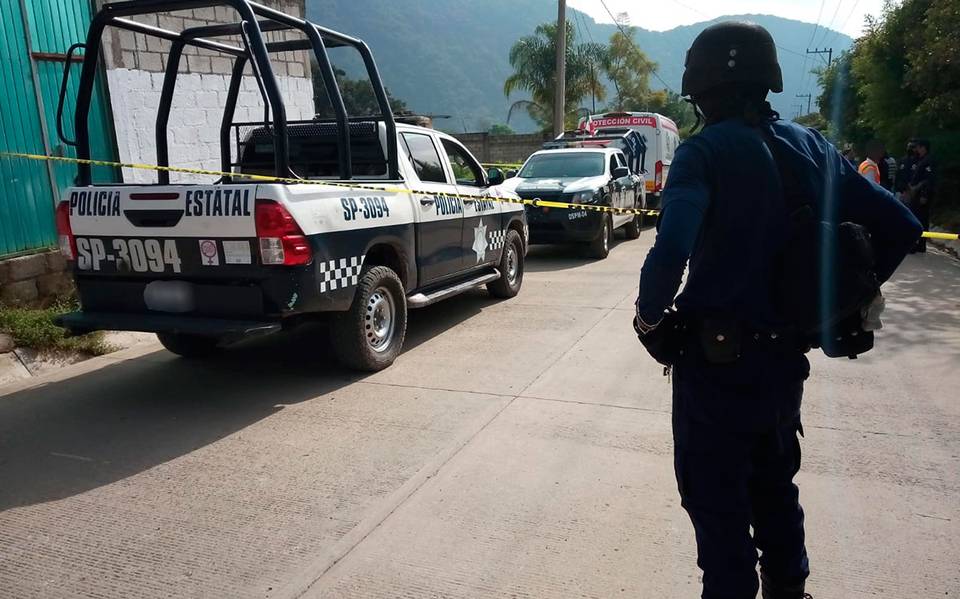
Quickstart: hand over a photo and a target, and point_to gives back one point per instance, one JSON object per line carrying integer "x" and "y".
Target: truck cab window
{"x": 613, "y": 162}
{"x": 423, "y": 154}
{"x": 465, "y": 169}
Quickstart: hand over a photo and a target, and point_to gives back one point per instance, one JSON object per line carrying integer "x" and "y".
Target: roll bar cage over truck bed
{"x": 256, "y": 51}
{"x": 344, "y": 229}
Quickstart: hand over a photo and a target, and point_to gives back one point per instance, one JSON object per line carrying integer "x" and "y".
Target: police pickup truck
{"x": 590, "y": 173}
{"x": 371, "y": 217}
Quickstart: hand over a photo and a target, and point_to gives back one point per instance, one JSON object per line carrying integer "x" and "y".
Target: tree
{"x": 500, "y": 129}
{"x": 629, "y": 69}
{"x": 357, "y": 94}
{"x": 533, "y": 59}
{"x": 814, "y": 120}
{"x": 841, "y": 104}
{"x": 671, "y": 104}
{"x": 902, "y": 80}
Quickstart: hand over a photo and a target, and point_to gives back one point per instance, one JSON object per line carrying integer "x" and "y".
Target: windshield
{"x": 566, "y": 164}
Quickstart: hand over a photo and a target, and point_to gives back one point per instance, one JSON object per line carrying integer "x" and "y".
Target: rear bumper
{"x": 226, "y": 330}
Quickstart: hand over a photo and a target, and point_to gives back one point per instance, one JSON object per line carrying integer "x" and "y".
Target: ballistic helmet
{"x": 732, "y": 52}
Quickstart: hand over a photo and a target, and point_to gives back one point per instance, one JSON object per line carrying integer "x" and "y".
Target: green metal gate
{"x": 34, "y": 35}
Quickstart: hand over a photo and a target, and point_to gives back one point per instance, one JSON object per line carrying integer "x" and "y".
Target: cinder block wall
{"x": 28, "y": 279}
{"x": 502, "y": 148}
{"x": 135, "y": 65}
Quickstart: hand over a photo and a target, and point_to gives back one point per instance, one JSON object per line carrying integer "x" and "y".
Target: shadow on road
{"x": 563, "y": 256}
{"x": 925, "y": 302}
{"x": 71, "y": 436}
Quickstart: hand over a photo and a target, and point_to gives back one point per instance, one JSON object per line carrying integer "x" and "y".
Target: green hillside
{"x": 450, "y": 56}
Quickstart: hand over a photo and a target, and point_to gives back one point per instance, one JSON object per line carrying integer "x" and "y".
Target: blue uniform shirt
{"x": 723, "y": 210}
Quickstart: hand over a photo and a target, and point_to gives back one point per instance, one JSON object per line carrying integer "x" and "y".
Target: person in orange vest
{"x": 870, "y": 168}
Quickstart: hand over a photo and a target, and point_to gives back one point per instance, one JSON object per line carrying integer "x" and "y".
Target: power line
{"x": 576, "y": 24}
{"x": 827, "y": 51}
{"x": 838, "y": 32}
{"x": 803, "y": 69}
{"x": 690, "y": 8}
{"x": 579, "y": 19}
{"x": 790, "y": 51}
{"x": 833, "y": 19}
{"x": 817, "y": 24}
{"x": 630, "y": 39}
{"x": 586, "y": 28}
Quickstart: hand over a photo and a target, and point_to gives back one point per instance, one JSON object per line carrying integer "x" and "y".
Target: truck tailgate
{"x": 164, "y": 231}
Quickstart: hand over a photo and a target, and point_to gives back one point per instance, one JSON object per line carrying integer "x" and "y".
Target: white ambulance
{"x": 659, "y": 132}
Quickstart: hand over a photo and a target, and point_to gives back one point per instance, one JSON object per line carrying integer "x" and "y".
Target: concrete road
{"x": 516, "y": 449}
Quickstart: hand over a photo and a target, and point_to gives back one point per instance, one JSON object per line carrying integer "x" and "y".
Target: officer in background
{"x": 736, "y": 417}
{"x": 888, "y": 170}
{"x": 921, "y": 188}
{"x": 901, "y": 181}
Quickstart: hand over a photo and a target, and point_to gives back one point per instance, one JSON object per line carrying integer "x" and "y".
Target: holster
{"x": 720, "y": 339}
{"x": 845, "y": 339}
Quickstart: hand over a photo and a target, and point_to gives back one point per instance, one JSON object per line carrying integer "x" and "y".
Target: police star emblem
{"x": 480, "y": 241}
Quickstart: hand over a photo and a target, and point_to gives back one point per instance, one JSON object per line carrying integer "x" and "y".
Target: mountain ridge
{"x": 450, "y": 57}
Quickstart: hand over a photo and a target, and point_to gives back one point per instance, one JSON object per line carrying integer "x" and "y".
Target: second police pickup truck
{"x": 595, "y": 170}
{"x": 373, "y": 217}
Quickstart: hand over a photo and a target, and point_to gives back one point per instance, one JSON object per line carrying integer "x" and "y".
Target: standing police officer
{"x": 901, "y": 181}
{"x": 736, "y": 415}
{"x": 921, "y": 188}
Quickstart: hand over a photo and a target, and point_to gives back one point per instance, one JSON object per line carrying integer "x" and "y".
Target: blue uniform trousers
{"x": 735, "y": 455}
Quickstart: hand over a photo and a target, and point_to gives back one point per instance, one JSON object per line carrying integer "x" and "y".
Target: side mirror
{"x": 510, "y": 173}
{"x": 620, "y": 172}
{"x": 495, "y": 176}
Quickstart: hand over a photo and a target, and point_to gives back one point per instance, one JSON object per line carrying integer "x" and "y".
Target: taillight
{"x": 281, "y": 239}
{"x": 68, "y": 244}
{"x": 658, "y": 176}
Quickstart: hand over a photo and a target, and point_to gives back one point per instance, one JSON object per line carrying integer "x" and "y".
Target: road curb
{"x": 80, "y": 368}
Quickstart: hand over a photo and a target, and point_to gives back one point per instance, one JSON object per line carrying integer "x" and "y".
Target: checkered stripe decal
{"x": 497, "y": 239}
{"x": 340, "y": 273}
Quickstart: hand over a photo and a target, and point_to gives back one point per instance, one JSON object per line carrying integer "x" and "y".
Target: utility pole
{"x": 560, "y": 93}
{"x": 799, "y": 108}
{"x": 827, "y": 51}
{"x": 809, "y": 98}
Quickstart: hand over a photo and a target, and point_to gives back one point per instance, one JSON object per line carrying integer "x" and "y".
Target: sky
{"x": 845, "y": 15}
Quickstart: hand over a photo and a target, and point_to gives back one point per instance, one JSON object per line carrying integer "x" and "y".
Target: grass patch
{"x": 34, "y": 328}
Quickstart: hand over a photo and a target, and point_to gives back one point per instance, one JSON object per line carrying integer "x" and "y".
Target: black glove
{"x": 664, "y": 340}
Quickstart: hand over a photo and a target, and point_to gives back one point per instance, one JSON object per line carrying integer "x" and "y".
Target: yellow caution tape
{"x": 948, "y": 236}
{"x": 368, "y": 187}
{"x": 388, "y": 188}
{"x": 502, "y": 164}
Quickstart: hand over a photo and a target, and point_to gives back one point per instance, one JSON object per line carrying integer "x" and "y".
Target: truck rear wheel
{"x": 369, "y": 336}
{"x": 189, "y": 346}
{"x": 510, "y": 267}
{"x": 599, "y": 248}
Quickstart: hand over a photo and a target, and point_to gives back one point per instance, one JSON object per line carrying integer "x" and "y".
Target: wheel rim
{"x": 513, "y": 265}
{"x": 606, "y": 237}
{"x": 380, "y": 320}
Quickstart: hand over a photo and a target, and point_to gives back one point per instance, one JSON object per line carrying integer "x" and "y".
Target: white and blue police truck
{"x": 371, "y": 217}
{"x": 591, "y": 174}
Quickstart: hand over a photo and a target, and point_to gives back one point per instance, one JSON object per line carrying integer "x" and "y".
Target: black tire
{"x": 633, "y": 228}
{"x": 189, "y": 346}
{"x": 369, "y": 336}
{"x": 599, "y": 248}
{"x": 511, "y": 268}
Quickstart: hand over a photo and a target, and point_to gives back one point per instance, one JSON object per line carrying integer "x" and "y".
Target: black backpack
{"x": 825, "y": 274}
